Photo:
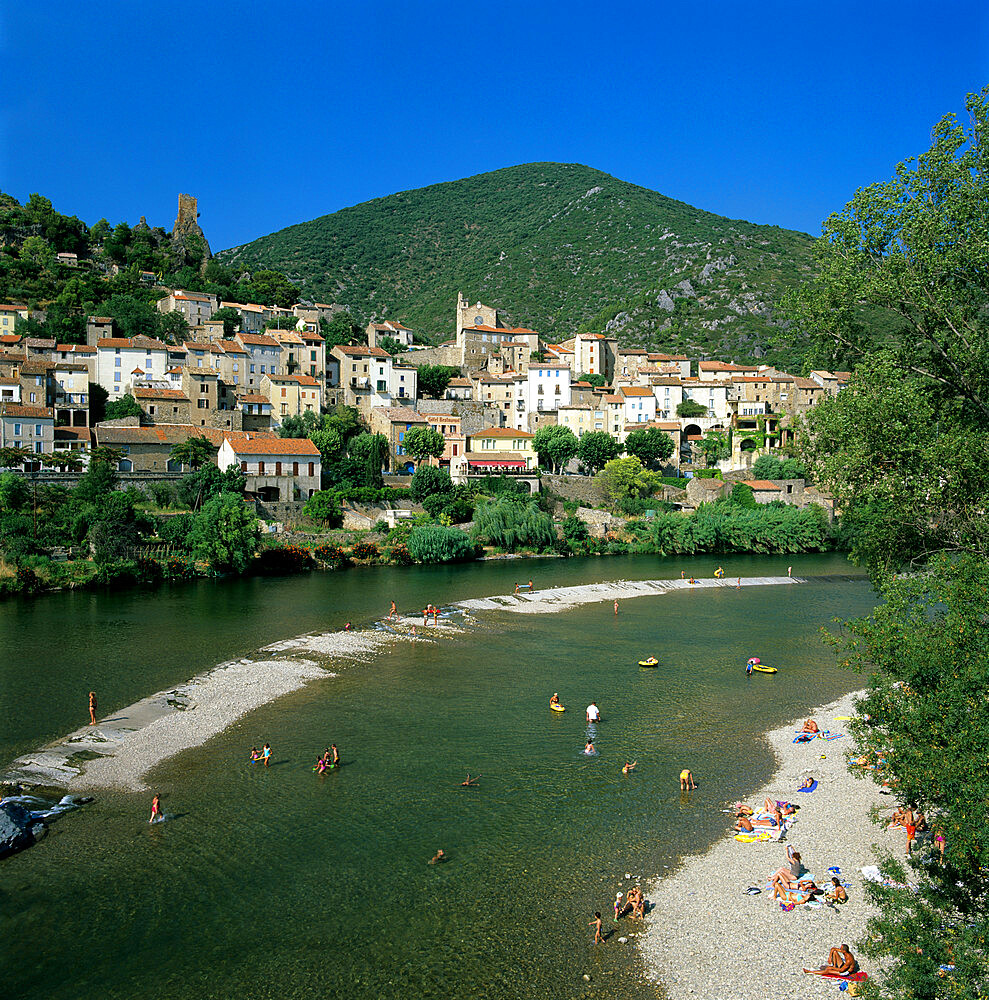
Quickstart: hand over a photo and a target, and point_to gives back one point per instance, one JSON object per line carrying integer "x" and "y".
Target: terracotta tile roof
{"x": 159, "y": 434}
{"x": 629, "y": 352}
{"x": 751, "y": 378}
{"x": 74, "y": 348}
{"x": 462, "y": 382}
{"x": 246, "y": 307}
{"x": 37, "y": 366}
{"x": 536, "y": 365}
{"x": 192, "y": 345}
{"x": 20, "y": 410}
{"x": 297, "y": 379}
{"x": 132, "y": 343}
{"x": 71, "y": 366}
{"x": 501, "y": 432}
{"x": 149, "y": 392}
{"x": 761, "y": 484}
{"x": 250, "y": 444}
{"x": 362, "y": 352}
{"x": 665, "y": 381}
{"x": 256, "y": 340}
{"x": 7, "y": 308}
{"x": 191, "y": 297}
{"x": 311, "y": 338}
{"x": 10, "y": 338}
{"x": 253, "y": 397}
{"x": 9, "y": 381}
{"x": 635, "y": 390}
{"x": 807, "y": 383}
{"x": 72, "y": 433}
{"x": 612, "y": 398}
{"x": 231, "y": 347}
{"x": 718, "y": 366}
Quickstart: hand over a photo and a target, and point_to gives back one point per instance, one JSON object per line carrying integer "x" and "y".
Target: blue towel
{"x": 812, "y": 787}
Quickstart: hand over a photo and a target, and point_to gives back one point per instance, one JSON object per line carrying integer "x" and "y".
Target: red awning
{"x": 488, "y": 463}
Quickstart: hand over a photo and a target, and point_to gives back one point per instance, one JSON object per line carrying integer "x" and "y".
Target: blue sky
{"x": 273, "y": 113}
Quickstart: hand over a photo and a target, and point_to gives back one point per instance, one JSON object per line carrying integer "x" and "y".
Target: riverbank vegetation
{"x": 905, "y": 453}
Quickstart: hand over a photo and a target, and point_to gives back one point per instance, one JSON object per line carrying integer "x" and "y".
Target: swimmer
{"x": 516, "y": 589}
{"x": 683, "y": 576}
{"x": 589, "y": 748}
{"x": 692, "y": 580}
{"x": 92, "y": 708}
{"x": 748, "y": 667}
{"x": 719, "y": 573}
{"x": 155, "y": 809}
{"x": 616, "y": 607}
{"x": 530, "y": 586}
{"x": 629, "y": 767}
{"x": 266, "y": 754}
{"x": 470, "y": 782}
{"x": 686, "y": 780}
{"x": 320, "y": 767}
{"x": 413, "y": 631}
{"x": 555, "y": 700}
{"x": 738, "y": 584}
{"x": 438, "y": 858}
{"x": 346, "y": 627}
{"x": 789, "y": 571}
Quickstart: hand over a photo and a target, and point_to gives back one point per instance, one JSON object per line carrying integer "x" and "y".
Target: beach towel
{"x": 804, "y": 737}
{"x": 852, "y": 977}
{"x": 812, "y": 787}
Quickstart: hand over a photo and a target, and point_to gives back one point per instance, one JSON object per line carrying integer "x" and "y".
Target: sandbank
{"x": 706, "y": 939}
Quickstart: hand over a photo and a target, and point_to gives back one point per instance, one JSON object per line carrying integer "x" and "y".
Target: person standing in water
{"x": 616, "y": 607}
{"x": 789, "y": 571}
{"x": 92, "y": 708}
{"x": 266, "y": 754}
{"x": 593, "y": 713}
{"x": 335, "y": 755}
{"x": 596, "y": 924}
{"x": 155, "y": 808}
{"x": 686, "y": 780}
{"x": 391, "y": 614}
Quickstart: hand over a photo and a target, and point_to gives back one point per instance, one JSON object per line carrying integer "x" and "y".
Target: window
{"x": 236, "y": 367}
{"x": 116, "y": 362}
{"x": 295, "y": 468}
{"x": 284, "y": 392}
{"x": 202, "y": 404}
{"x": 116, "y": 376}
{"x": 17, "y": 430}
{"x": 34, "y": 395}
{"x": 278, "y": 468}
{"x": 252, "y": 369}
{"x": 312, "y": 468}
{"x": 260, "y": 468}
{"x": 151, "y": 411}
{"x": 262, "y": 370}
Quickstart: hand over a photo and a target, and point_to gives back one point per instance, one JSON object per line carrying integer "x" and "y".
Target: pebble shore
{"x": 706, "y": 939}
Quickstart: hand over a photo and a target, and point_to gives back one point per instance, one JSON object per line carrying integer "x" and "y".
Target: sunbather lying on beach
{"x": 772, "y": 818}
{"x": 743, "y": 810}
{"x": 841, "y": 962}
{"x": 785, "y": 808}
{"x": 744, "y": 825}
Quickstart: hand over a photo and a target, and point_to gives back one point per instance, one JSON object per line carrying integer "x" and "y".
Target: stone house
{"x": 31, "y": 427}
{"x": 118, "y": 357}
{"x": 290, "y": 395}
{"x": 196, "y": 307}
{"x": 764, "y": 490}
{"x": 397, "y": 331}
{"x": 394, "y": 422}
{"x": 500, "y": 449}
{"x": 9, "y": 315}
{"x": 263, "y": 357}
{"x": 459, "y": 388}
{"x": 704, "y": 490}
{"x": 69, "y": 393}
{"x": 164, "y": 406}
{"x": 277, "y": 469}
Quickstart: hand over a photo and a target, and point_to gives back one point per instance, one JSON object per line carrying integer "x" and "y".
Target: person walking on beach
{"x": 593, "y": 713}
{"x": 155, "y": 808}
{"x": 686, "y": 780}
{"x": 596, "y": 924}
{"x": 391, "y": 614}
{"x": 266, "y": 754}
{"x": 92, "y": 708}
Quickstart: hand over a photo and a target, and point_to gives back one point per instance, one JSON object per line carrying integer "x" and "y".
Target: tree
{"x": 38, "y": 251}
{"x": 99, "y": 480}
{"x": 436, "y": 543}
{"x": 208, "y": 482}
{"x": 625, "y": 477}
{"x": 131, "y": 316}
{"x": 595, "y": 378}
{"x": 391, "y": 345}
{"x": 272, "y": 288}
{"x": 174, "y": 327}
{"x": 433, "y": 379}
{"x": 97, "y": 402}
{"x": 324, "y": 506}
{"x": 429, "y": 481}
{"x": 193, "y": 451}
{"x": 126, "y": 406}
{"x": 424, "y": 442}
{"x": 231, "y": 320}
{"x": 339, "y": 329}
{"x": 225, "y": 534}
{"x": 13, "y": 492}
{"x": 650, "y": 445}
{"x": 595, "y": 449}
{"x": 926, "y": 650}
{"x": 112, "y": 528}
{"x": 715, "y": 446}
{"x": 774, "y": 467}
{"x": 329, "y": 442}
{"x": 689, "y": 408}
{"x": 371, "y": 450}
{"x": 555, "y": 444}
{"x": 13, "y": 458}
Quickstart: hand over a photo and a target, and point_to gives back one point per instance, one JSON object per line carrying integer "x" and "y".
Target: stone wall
{"x": 599, "y": 522}
{"x": 452, "y": 356}
{"x": 583, "y": 489}
{"x": 288, "y": 512}
{"x": 474, "y": 415}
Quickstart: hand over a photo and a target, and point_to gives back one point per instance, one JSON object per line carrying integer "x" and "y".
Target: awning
{"x": 489, "y": 463}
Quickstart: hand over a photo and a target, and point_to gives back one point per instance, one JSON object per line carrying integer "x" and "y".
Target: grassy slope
{"x": 554, "y": 246}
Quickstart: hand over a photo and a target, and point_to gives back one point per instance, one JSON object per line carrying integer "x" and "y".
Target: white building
{"x": 640, "y": 403}
{"x": 545, "y": 386}
{"x": 669, "y": 395}
{"x": 264, "y": 355}
{"x": 117, "y": 358}
{"x": 371, "y": 377}
{"x": 712, "y": 394}
{"x": 277, "y": 469}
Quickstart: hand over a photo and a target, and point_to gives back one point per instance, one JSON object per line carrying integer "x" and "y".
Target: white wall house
{"x": 546, "y": 386}
{"x": 669, "y": 395}
{"x": 117, "y": 358}
{"x": 640, "y": 403}
{"x": 264, "y": 354}
{"x": 713, "y": 395}
{"x": 277, "y": 469}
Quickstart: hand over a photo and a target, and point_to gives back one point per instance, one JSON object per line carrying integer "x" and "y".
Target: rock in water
{"x": 15, "y": 828}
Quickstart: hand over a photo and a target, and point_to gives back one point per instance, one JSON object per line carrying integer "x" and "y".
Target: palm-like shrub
{"x": 511, "y": 525}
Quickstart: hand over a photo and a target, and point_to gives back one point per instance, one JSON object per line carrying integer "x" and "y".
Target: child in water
{"x": 266, "y": 754}
{"x": 596, "y": 924}
{"x": 255, "y": 756}
{"x": 589, "y": 749}
{"x": 155, "y": 809}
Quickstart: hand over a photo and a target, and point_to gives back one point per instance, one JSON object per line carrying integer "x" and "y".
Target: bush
{"x": 774, "y": 467}
{"x": 365, "y": 550}
{"x": 708, "y": 474}
{"x": 331, "y": 555}
{"x": 324, "y": 506}
{"x": 176, "y": 530}
{"x": 400, "y": 555}
{"x": 380, "y": 527}
{"x": 162, "y": 494}
{"x": 510, "y": 524}
{"x": 574, "y": 530}
{"x": 283, "y": 559}
{"x": 742, "y": 495}
{"x": 434, "y": 543}
{"x": 429, "y": 481}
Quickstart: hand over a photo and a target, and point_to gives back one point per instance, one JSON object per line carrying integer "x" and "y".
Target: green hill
{"x": 556, "y": 247}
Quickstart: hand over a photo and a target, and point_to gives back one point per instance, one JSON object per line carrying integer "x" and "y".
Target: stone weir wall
{"x": 584, "y": 489}
{"x": 124, "y": 479}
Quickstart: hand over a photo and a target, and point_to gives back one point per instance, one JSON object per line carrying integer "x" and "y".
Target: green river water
{"x": 278, "y": 883}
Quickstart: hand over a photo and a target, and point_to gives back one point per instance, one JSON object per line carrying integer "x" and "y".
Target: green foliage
{"x": 596, "y": 379}
{"x": 98, "y": 480}
{"x": 555, "y": 445}
{"x": 434, "y": 379}
{"x": 428, "y": 481}
{"x": 650, "y": 445}
{"x": 715, "y": 446}
{"x": 926, "y": 649}
{"x": 371, "y": 450}
{"x": 365, "y": 551}
{"x": 595, "y": 449}
{"x": 231, "y": 320}
{"x": 774, "y": 467}
{"x": 574, "y": 530}
{"x": 742, "y": 495}
{"x": 339, "y": 329}
{"x": 225, "y": 533}
{"x": 434, "y": 543}
{"x": 512, "y": 524}
{"x": 723, "y": 528}
{"x": 14, "y": 493}
{"x": 625, "y": 477}
{"x": 423, "y": 442}
{"x": 112, "y": 528}
{"x": 324, "y": 506}
{"x": 209, "y": 482}
{"x": 691, "y": 408}
{"x": 560, "y": 268}
{"x": 391, "y": 345}
{"x": 194, "y": 451}
{"x": 177, "y": 530}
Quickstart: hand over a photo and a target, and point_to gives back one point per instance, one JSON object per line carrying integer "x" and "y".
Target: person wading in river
{"x": 92, "y": 708}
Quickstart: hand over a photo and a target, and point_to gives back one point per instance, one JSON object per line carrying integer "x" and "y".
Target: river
{"x": 284, "y": 884}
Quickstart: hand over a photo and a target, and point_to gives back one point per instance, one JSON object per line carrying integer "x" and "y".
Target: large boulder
{"x": 16, "y": 825}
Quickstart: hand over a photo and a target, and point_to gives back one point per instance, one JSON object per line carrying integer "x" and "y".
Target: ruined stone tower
{"x": 186, "y": 223}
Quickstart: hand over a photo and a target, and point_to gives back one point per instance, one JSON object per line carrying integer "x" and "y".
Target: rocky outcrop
{"x": 187, "y": 236}
{"x": 18, "y": 829}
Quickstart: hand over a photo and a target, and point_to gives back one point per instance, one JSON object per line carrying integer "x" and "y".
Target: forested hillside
{"x": 557, "y": 247}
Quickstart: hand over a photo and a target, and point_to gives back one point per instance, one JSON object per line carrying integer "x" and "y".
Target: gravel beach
{"x": 706, "y": 938}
